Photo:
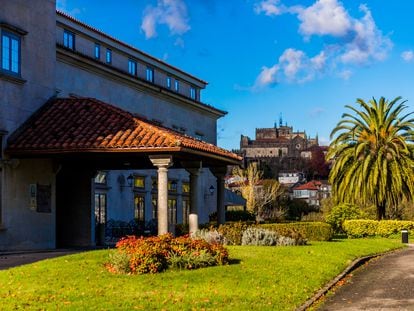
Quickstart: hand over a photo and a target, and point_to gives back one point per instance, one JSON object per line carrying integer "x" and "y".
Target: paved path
{"x": 18, "y": 259}
{"x": 386, "y": 283}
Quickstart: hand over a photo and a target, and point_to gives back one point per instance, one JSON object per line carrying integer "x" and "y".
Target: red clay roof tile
{"x": 86, "y": 124}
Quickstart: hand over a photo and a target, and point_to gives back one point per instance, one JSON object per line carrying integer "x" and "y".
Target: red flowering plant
{"x": 155, "y": 254}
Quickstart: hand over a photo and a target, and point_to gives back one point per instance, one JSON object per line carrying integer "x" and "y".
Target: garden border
{"x": 354, "y": 265}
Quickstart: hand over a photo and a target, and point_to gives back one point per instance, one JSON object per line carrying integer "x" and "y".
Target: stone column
{"x": 219, "y": 173}
{"x": 162, "y": 163}
{"x": 194, "y": 198}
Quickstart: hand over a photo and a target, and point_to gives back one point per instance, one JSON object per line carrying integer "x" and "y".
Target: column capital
{"x": 219, "y": 172}
{"x": 161, "y": 161}
{"x": 194, "y": 171}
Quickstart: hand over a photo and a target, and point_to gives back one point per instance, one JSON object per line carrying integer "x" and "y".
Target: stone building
{"x": 93, "y": 129}
{"x": 276, "y": 142}
{"x": 278, "y": 149}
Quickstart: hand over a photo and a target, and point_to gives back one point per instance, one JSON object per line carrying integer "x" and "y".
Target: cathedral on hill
{"x": 280, "y": 151}
{"x": 277, "y": 142}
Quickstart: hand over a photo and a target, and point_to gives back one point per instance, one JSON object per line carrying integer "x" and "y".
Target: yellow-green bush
{"x": 363, "y": 228}
{"x": 312, "y": 231}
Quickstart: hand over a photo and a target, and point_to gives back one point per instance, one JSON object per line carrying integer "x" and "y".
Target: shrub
{"x": 192, "y": 260}
{"x": 155, "y": 254}
{"x": 240, "y": 216}
{"x": 119, "y": 262}
{"x": 342, "y": 212}
{"x": 210, "y": 235}
{"x": 235, "y": 216}
{"x": 388, "y": 227}
{"x": 259, "y": 236}
{"x": 233, "y": 232}
{"x": 264, "y": 237}
{"x": 359, "y": 228}
{"x": 312, "y": 231}
{"x": 365, "y": 228}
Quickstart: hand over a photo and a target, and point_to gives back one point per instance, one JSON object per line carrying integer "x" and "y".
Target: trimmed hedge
{"x": 312, "y": 231}
{"x": 364, "y": 228}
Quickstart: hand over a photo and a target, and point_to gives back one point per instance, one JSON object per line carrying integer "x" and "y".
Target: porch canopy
{"x": 90, "y": 134}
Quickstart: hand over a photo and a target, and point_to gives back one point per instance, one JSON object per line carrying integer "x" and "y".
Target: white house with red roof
{"x": 312, "y": 192}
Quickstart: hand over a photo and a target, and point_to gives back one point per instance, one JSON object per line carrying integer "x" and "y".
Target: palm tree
{"x": 372, "y": 155}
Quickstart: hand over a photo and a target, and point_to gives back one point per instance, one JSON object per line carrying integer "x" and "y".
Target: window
{"x": 100, "y": 208}
{"x": 172, "y": 211}
{"x": 185, "y": 187}
{"x": 132, "y": 67}
{"x": 186, "y": 210}
{"x": 139, "y": 182}
{"x": 172, "y": 185}
{"x": 193, "y": 93}
{"x": 150, "y": 74}
{"x": 177, "y": 85}
{"x": 139, "y": 202}
{"x": 69, "y": 39}
{"x": 100, "y": 178}
{"x": 108, "y": 56}
{"x": 10, "y": 53}
{"x": 97, "y": 51}
{"x": 169, "y": 82}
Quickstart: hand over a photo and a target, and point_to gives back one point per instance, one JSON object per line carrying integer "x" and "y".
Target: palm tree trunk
{"x": 381, "y": 211}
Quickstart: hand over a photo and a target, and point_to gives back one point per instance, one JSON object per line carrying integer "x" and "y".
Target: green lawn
{"x": 274, "y": 278}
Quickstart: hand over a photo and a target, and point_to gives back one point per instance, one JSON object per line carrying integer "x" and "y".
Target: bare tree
{"x": 261, "y": 195}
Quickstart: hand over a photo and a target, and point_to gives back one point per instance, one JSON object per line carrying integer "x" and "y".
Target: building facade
{"x": 312, "y": 192}
{"x": 93, "y": 129}
{"x": 276, "y": 142}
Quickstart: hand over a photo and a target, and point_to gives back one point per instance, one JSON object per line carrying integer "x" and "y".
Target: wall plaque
{"x": 44, "y": 198}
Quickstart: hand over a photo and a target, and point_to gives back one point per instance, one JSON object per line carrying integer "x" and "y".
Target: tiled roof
{"x": 87, "y": 124}
{"x": 312, "y": 185}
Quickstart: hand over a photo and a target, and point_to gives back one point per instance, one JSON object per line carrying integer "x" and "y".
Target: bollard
{"x": 404, "y": 236}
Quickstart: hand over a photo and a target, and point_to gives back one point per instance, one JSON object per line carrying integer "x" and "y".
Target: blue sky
{"x": 262, "y": 58}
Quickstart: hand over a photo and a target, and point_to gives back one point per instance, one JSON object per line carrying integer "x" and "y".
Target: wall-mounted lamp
{"x": 210, "y": 191}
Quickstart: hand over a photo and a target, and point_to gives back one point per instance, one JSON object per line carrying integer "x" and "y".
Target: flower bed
{"x": 155, "y": 254}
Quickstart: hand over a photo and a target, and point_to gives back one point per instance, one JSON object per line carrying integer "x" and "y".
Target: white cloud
{"x": 269, "y": 7}
{"x": 407, "y": 56}
{"x": 172, "y": 13}
{"x": 368, "y": 44}
{"x": 319, "y": 61}
{"x": 324, "y": 17}
{"x": 268, "y": 76}
{"x": 291, "y": 61}
{"x": 293, "y": 66}
{"x": 357, "y": 41}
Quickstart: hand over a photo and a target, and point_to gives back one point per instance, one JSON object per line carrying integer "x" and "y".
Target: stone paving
{"x": 385, "y": 283}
